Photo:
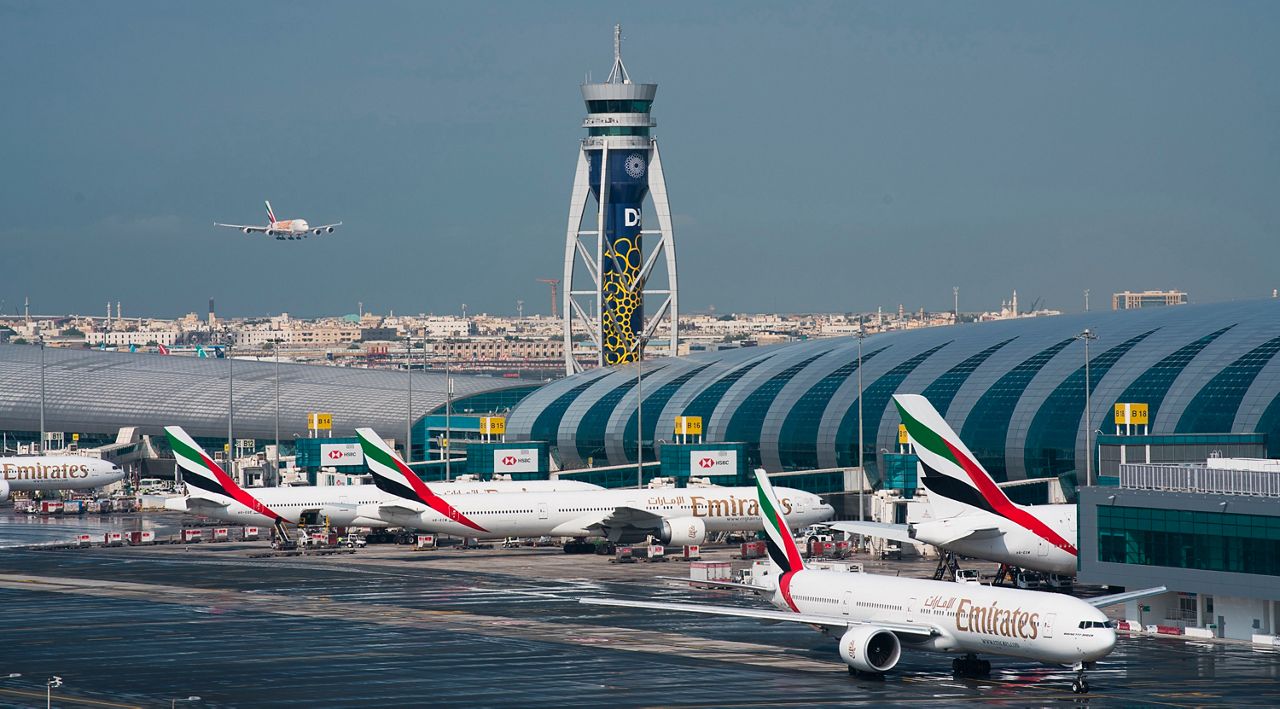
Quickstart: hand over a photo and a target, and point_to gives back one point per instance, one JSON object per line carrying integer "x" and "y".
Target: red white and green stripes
{"x": 394, "y": 476}
{"x": 205, "y": 474}
{"x": 941, "y": 451}
{"x": 782, "y": 546}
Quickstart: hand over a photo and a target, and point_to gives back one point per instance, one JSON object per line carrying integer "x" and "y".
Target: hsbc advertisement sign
{"x": 515, "y": 460}
{"x": 713, "y": 463}
{"x": 341, "y": 454}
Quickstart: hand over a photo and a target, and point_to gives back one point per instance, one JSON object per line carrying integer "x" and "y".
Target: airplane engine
{"x": 247, "y": 230}
{"x": 339, "y": 515}
{"x": 870, "y": 649}
{"x": 318, "y": 232}
{"x": 330, "y": 230}
{"x": 683, "y": 531}
{"x": 4, "y": 489}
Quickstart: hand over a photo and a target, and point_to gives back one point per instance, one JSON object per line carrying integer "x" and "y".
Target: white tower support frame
{"x": 603, "y": 289}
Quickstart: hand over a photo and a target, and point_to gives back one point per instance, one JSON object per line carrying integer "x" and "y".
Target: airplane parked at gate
{"x": 972, "y": 516}
{"x": 212, "y": 493}
{"x": 677, "y": 516}
{"x": 55, "y": 472}
{"x": 284, "y": 229}
{"x": 877, "y": 616}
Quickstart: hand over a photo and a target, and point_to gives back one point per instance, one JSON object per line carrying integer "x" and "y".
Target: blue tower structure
{"x": 607, "y": 282}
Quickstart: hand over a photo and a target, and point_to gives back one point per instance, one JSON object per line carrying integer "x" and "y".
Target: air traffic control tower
{"x": 609, "y": 277}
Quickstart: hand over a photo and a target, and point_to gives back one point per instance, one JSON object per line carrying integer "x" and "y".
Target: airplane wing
{"x": 828, "y": 621}
{"x": 883, "y": 530}
{"x": 326, "y": 226}
{"x": 717, "y": 584}
{"x": 399, "y": 509}
{"x": 602, "y": 522}
{"x": 1115, "y": 598}
{"x": 204, "y": 505}
{"x": 242, "y": 227}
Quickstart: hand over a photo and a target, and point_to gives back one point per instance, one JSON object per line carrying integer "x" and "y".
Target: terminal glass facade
{"x": 1208, "y": 541}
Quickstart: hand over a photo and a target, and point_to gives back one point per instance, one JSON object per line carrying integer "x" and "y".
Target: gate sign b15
{"x": 515, "y": 460}
{"x": 713, "y": 463}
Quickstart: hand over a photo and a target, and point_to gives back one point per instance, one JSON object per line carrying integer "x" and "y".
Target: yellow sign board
{"x": 493, "y": 425}
{"x": 75, "y": 436}
{"x": 688, "y": 425}
{"x": 320, "y": 421}
{"x": 1135, "y": 414}
{"x": 902, "y": 434}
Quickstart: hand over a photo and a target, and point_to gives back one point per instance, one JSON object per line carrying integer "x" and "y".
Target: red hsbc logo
{"x": 509, "y": 460}
{"x": 707, "y": 463}
{"x": 334, "y": 455}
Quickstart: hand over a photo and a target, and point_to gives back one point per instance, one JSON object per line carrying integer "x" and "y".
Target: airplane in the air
{"x": 284, "y": 229}
{"x": 972, "y": 516}
{"x": 55, "y": 472}
{"x": 676, "y": 516}
{"x": 877, "y": 616}
{"x": 212, "y": 493}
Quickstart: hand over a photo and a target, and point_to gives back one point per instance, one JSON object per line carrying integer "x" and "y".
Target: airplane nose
{"x": 1104, "y": 641}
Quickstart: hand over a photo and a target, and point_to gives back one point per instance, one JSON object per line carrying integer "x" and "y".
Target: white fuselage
{"x": 289, "y": 226}
{"x": 1016, "y": 546}
{"x": 340, "y": 503}
{"x": 58, "y": 472}
{"x": 967, "y": 617}
{"x": 578, "y": 514}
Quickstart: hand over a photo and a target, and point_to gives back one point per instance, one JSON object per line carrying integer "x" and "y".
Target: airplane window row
{"x": 885, "y": 606}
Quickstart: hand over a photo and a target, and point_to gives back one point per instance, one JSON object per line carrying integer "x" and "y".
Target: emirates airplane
{"x": 877, "y": 616}
{"x": 55, "y": 472}
{"x": 677, "y": 516}
{"x": 971, "y": 514}
{"x": 212, "y": 493}
{"x": 284, "y": 229}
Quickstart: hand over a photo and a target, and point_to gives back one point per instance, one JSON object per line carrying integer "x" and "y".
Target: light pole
{"x": 42, "y": 433}
{"x": 408, "y": 413}
{"x": 862, "y": 472}
{"x": 448, "y": 411}
{"x": 639, "y": 421}
{"x": 231, "y": 411}
{"x": 277, "y": 342}
{"x": 174, "y": 702}
{"x": 54, "y": 681}
{"x": 1086, "y": 336}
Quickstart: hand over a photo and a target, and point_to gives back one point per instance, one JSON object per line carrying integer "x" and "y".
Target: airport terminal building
{"x": 1014, "y": 390}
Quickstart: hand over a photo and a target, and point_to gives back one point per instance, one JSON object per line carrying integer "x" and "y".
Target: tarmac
{"x": 390, "y": 626}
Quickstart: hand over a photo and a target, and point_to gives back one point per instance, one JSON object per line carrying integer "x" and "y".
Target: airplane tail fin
{"x": 782, "y": 546}
{"x": 205, "y": 477}
{"x": 270, "y": 213}
{"x": 392, "y": 476}
{"x": 956, "y": 481}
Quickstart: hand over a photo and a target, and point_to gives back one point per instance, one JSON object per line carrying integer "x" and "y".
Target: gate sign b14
{"x": 341, "y": 454}
{"x": 713, "y": 463}
{"x": 515, "y": 460}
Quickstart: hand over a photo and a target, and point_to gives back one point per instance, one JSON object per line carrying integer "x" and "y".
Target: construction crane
{"x": 555, "y": 292}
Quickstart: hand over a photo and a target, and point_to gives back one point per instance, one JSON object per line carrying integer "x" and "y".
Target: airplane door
{"x": 542, "y": 510}
{"x": 846, "y": 603}
{"x": 1048, "y": 625}
{"x": 1043, "y": 548}
{"x": 911, "y": 610}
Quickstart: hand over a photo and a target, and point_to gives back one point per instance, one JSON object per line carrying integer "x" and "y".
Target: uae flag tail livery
{"x": 203, "y": 476}
{"x": 392, "y": 476}
{"x": 782, "y": 546}
{"x": 956, "y": 481}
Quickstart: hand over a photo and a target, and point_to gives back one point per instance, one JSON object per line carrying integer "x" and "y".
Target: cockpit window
{"x": 1096, "y": 624}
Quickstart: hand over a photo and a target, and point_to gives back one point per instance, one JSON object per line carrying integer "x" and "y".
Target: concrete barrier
{"x": 1198, "y": 632}
{"x": 1267, "y": 640}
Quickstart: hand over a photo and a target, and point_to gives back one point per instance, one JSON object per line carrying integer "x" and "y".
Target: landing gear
{"x": 1080, "y": 685}
{"x": 970, "y": 666}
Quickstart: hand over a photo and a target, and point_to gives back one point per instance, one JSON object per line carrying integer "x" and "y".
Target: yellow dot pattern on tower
{"x": 621, "y": 301}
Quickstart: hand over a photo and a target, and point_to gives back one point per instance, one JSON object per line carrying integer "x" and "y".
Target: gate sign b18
{"x": 515, "y": 460}
{"x": 713, "y": 463}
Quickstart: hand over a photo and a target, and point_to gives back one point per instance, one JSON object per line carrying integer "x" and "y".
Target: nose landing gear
{"x": 1080, "y": 685}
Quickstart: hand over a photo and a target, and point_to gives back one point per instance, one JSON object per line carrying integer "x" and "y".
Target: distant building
{"x": 1129, "y": 300}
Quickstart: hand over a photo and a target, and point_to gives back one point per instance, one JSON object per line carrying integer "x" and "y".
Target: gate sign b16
{"x": 515, "y": 460}
{"x": 713, "y": 463}
{"x": 341, "y": 454}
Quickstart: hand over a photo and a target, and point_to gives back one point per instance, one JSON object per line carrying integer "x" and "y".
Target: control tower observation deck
{"x": 607, "y": 284}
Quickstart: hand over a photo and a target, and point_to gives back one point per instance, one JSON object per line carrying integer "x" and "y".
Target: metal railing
{"x": 1199, "y": 478}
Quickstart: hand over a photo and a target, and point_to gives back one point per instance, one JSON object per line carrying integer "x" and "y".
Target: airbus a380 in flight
{"x": 877, "y": 616}
{"x": 284, "y": 229}
{"x": 972, "y": 516}
{"x": 55, "y": 472}
{"x": 678, "y": 516}
{"x": 212, "y": 493}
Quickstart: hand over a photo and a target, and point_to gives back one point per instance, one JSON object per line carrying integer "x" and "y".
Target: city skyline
{"x": 1043, "y": 149}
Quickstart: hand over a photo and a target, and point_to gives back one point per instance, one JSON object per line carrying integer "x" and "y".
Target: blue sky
{"x": 820, "y": 157}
